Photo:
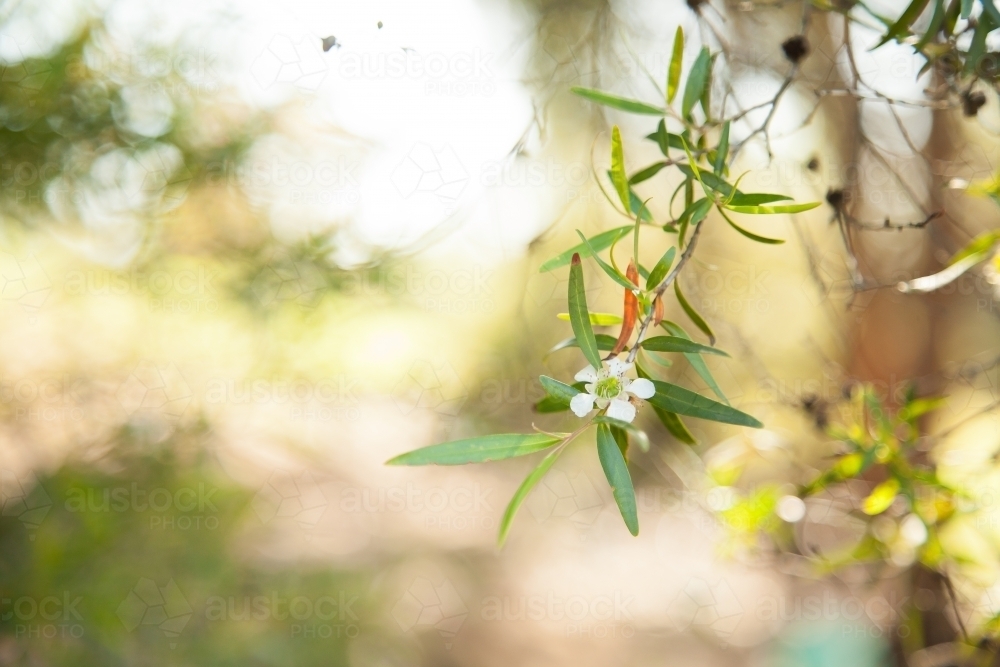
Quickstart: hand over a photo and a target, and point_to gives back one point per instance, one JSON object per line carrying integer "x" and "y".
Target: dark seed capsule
{"x": 835, "y": 198}
{"x": 971, "y": 102}
{"x": 795, "y": 48}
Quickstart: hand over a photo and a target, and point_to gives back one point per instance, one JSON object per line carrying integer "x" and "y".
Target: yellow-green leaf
{"x": 596, "y": 319}
{"x": 618, "y": 176}
{"x": 676, "y": 62}
{"x": 881, "y": 497}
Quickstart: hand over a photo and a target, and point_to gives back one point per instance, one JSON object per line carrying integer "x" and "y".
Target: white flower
{"x": 609, "y": 388}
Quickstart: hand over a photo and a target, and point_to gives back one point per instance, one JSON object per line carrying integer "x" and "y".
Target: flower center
{"x": 608, "y": 388}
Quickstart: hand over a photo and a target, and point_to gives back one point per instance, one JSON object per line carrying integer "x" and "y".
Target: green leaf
{"x": 605, "y": 343}
{"x": 693, "y": 314}
{"x": 980, "y": 246}
{"x": 706, "y": 178}
{"x": 918, "y": 407}
{"x": 750, "y": 235}
{"x": 683, "y": 401}
{"x": 881, "y": 497}
{"x": 951, "y": 16}
{"x": 636, "y": 205}
{"x": 696, "y": 82}
{"x": 558, "y": 390}
{"x": 901, "y": 27}
{"x": 678, "y": 344}
{"x": 617, "y": 473}
{"x": 755, "y": 198}
{"x": 618, "y": 177}
{"x": 647, "y": 173}
{"x": 522, "y": 492}
{"x": 979, "y": 249}
{"x": 676, "y": 62}
{"x": 697, "y": 363}
{"x": 937, "y": 19}
{"x": 549, "y": 405}
{"x": 640, "y": 436}
{"x": 692, "y": 215}
{"x": 608, "y": 269}
{"x": 666, "y": 140}
{"x": 726, "y": 190}
{"x": 966, "y": 8}
{"x": 596, "y": 319}
{"x": 579, "y": 317}
{"x": 991, "y": 9}
{"x": 476, "y": 450}
{"x": 598, "y": 243}
{"x": 675, "y": 426}
{"x": 670, "y": 420}
{"x": 616, "y": 102}
{"x": 722, "y": 152}
{"x": 771, "y": 210}
{"x": 659, "y": 271}
{"x": 977, "y": 47}
{"x": 621, "y": 439}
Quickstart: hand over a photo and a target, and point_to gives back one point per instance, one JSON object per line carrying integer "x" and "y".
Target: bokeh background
{"x": 238, "y": 272}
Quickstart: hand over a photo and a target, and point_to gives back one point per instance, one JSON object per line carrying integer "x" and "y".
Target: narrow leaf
{"x": 678, "y": 344}
{"x": 647, "y": 173}
{"x": 598, "y": 243}
{"x": 750, "y": 235}
{"x": 676, "y": 62}
{"x": 618, "y": 177}
{"x": 640, "y": 436}
{"x": 558, "y": 390}
{"x": 607, "y": 268}
{"x": 941, "y": 278}
{"x": 579, "y": 317}
{"x": 881, "y": 497}
{"x": 659, "y": 271}
{"x": 771, "y": 210}
{"x": 722, "y": 152}
{"x": 476, "y": 450}
{"x": 616, "y": 102}
{"x": 596, "y": 319}
{"x": 674, "y": 398}
{"x": 522, "y": 492}
{"x": 693, "y": 314}
{"x": 604, "y": 341}
{"x": 901, "y": 27}
{"x": 978, "y": 45}
{"x": 670, "y": 420}
{"x": 697, "y": 363}
{"x": 618, "y": 477}
{"x": 696, "y": 82}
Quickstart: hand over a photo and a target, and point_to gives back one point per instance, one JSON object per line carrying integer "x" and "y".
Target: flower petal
{"x": 588, "y": 374}
{"x": 582, "y": 404}
{"x": 618, "y": 367}
{"x": 622, "y": 410}
{"x": 641, "y": 387}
